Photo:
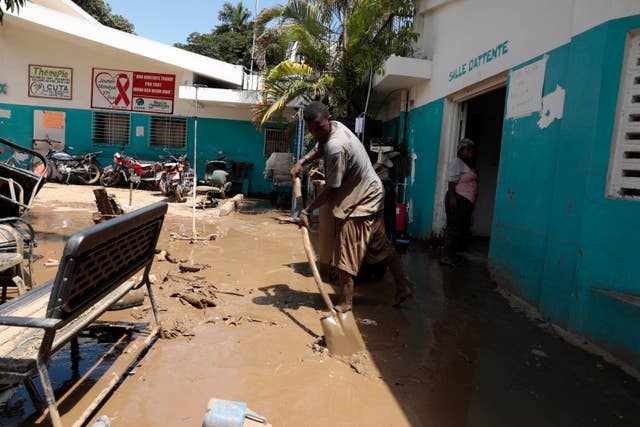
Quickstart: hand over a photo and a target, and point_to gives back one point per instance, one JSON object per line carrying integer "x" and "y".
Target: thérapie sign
{"x": 480, "y": 60}
{"x": 50, "y": 82}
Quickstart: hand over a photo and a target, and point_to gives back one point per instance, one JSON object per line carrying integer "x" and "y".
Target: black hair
{"x": 314, "y": 110}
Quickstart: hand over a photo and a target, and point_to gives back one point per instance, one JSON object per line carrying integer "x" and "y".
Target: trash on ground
{"x": 196, "y": 299}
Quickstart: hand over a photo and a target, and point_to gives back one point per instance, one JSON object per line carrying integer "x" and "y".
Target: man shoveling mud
{"x": 356, "y": 196}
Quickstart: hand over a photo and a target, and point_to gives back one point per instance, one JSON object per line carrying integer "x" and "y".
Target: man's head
{"x": 318, "y": 120}
{"x": 465, "y": 148}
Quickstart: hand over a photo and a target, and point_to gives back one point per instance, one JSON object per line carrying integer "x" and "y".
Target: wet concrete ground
{"x": 457, "y": 354}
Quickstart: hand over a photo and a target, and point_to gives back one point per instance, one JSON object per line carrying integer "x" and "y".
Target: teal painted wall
{"x": 235, "y": 139}
{"x": 423, "y": 134}
{"x": 556, "y": 237}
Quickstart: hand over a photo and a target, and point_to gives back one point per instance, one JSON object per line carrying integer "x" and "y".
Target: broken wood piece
{"x": 196, "y": 300}
{"x": 51, "y": 263}
{"x": 191, "y": 268}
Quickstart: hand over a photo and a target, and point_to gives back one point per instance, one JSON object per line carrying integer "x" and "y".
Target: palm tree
{"x": 338, "y": 44}
{"x": 233, "y": 18}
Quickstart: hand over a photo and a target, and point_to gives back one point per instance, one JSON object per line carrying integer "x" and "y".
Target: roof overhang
{"x": 224, "y": 97}
{"x": 69, "y": 25}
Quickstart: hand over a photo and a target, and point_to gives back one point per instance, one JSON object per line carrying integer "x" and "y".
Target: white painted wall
{"x": 453, "y": 32}
{"x": 23, "y": 43}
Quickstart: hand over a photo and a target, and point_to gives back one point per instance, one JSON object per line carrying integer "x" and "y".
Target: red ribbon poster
{"x": 133, "y": 91}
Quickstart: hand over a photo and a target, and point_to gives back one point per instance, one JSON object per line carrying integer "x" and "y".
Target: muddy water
{"x": 455, "y": 355}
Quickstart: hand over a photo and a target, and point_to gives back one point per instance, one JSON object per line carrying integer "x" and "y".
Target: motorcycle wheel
{"x": 54, "y": 173}
{"x": 93, "y": 175}
{"x": 163, "y": 186}
{"x": 110, "y": 179}
{"x": 179, "y": 194}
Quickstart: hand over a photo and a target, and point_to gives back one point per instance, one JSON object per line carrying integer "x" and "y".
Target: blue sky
{"x": 170, "y": 21}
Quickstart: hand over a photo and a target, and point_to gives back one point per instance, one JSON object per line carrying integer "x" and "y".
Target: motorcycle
{"x": 176, "y": 180}
{"x": 127, "y": 169}
{"x": 64, "y": 167}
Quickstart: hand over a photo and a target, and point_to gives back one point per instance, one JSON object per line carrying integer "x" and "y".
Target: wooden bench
{"x": 95, "y": 271}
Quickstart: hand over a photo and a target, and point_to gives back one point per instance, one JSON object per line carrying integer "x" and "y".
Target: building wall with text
{"x": 557, "y": 238}
{"x": 50, "y": 71}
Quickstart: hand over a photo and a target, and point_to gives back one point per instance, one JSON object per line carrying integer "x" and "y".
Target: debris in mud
{"x": 192, "y": 268}
{"x": 138, "y": 313}
{"x": 318, "y": 347}
{"x": 217, "y": 290}
{"x": 51, "y": 263}
{"x": 191, "y": 239}
{"x": 367, "y": 321}
{"x": 196, "y": 299}
{"x": 181, "y": 327}
{"x": 165, "y": 256}
{"x": 362, "y": 364}
{"x": 237, "y": 320}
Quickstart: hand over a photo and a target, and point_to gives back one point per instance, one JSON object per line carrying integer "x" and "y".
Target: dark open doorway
{"x": 484, "y": 118}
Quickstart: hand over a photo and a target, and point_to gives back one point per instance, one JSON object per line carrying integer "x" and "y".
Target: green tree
{"x": 12, "y": 6}
{"x": 230, "y": 41}
{"x": 102, "y": 13}
{"x": 342, "y": 41}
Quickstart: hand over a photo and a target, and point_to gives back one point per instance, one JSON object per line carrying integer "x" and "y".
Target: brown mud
{"x": 454, "y": 355}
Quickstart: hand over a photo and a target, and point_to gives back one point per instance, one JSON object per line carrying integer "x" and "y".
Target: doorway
{"x": 482, "y": 122}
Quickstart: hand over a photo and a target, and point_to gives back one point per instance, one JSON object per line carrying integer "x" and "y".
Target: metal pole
{"x": 195, "y": 165}
{"x": 253, "y": 48}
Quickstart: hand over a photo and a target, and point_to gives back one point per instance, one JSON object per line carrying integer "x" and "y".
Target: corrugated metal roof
{"x": 75, "y": 25}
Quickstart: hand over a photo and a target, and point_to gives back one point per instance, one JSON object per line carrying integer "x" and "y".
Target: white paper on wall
{"x": 525, "y": 89}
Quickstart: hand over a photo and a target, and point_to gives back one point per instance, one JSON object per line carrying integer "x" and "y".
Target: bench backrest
{"x": 99, "y": 259}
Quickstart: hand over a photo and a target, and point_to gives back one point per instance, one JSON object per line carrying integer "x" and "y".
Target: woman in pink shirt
{"x": 460, "y": 200}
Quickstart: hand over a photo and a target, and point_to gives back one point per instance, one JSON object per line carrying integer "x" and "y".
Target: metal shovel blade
{"x": 341, "y": 334}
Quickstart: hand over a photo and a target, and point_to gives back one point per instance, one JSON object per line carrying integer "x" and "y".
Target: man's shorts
{"x": 358, "y": 240}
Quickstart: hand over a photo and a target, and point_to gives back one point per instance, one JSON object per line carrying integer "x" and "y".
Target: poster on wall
{"x": 50, "y": 82}
{"x": 132, "y": 91}
{"x": 525, "y": 89}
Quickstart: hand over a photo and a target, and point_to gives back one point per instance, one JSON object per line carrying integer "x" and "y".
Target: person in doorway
{"x": 459, "y": 200}
{"x": 356, "y": 197}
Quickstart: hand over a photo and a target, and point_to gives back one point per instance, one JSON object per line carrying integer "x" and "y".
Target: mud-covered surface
{"x": 243, "y": 324}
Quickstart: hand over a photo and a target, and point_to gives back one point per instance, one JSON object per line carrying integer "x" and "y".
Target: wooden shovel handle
{"x": 311, "y": 254}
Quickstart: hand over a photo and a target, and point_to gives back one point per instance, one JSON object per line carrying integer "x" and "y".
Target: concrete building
{"x": 550, "y": 92}
{"x": 67, "y": 77}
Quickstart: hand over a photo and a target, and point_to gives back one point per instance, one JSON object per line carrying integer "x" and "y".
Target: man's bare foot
{"x": 402, "y": 294}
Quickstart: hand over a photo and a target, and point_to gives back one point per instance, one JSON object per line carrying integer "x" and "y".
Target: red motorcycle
{"x": 176, "y": 180}
{"x": 129, "y": 170}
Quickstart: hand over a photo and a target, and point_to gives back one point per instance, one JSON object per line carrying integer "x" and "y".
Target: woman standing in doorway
{"x": 459, "y": 201}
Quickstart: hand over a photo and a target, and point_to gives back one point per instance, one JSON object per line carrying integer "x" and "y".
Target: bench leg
{"x": 35, "y": 396}
{"x": 54, "y": 415}
{"x": 154, "y": 306}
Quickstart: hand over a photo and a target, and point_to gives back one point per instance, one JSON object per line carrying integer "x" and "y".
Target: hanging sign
{"x": 132, "y": 91}
{"x": 525, "y": 89}
{"x": 50, "y": 82}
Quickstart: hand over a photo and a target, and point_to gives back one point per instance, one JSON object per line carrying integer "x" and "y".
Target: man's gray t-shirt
{"x": 359, "y": 191}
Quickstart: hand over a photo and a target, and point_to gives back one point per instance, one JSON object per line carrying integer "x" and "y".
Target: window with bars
{"x": 624, "y": 167}
{"x": 276, "y": 141}
{"x": 168, "y": 132}
{"x": 110, "y": 128}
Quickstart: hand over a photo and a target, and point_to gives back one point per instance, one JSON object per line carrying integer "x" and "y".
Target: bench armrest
{"x": 29, "y": 322}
